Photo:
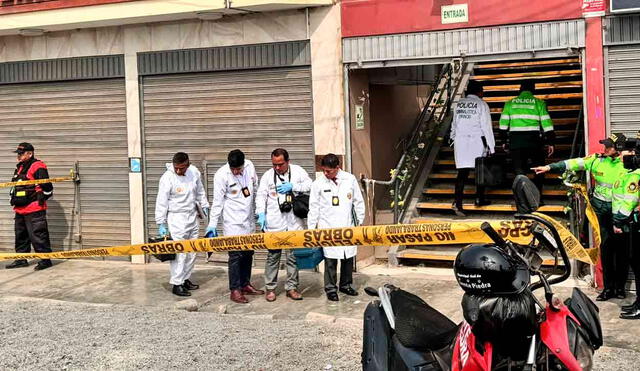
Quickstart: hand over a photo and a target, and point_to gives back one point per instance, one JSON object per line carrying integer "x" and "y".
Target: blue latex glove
{"x": 211, "y": 232}
{"x": 284, "y": 188}
{"x": 205, "y": 210}
{"x": 162, "y": 230}
{"x": 262, "y": 220}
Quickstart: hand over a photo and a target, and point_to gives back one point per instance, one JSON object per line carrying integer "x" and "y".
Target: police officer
{"x": 30, "y": 205}
{"x": 624, "y": 205}
{"x": 527, "y": 128}
{"x": 336, "y": 201}
{"x": 180, "y": 195}
{"x": 472, "y": 136}
{"x": 274, "y": 207}
{"x": 234, "y": 190}
{"x": 605, "y": 169}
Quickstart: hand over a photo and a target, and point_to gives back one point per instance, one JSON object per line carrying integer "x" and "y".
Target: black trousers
{"x": 331, "y": 274}
{"x": 32, "y": 230}
{"x": 614, "y": 252}
{"x": 240, "y": 263}
{"x": 524, "y": 159}
{"x": 461, "y": 179}
{"x": 635, "y": 258}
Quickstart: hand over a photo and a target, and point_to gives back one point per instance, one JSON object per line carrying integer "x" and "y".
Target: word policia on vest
{"x": 431, "y": 233}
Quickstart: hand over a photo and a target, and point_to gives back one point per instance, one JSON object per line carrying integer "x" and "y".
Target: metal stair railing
{"x": 428, "y": 125}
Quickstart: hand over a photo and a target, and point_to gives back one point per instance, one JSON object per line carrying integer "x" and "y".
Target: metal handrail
{"x": 436, "y": 103}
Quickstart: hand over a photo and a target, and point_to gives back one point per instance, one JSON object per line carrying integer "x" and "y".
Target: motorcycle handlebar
{"x": 556, "y": 236}
{"x": 489, "y": 231}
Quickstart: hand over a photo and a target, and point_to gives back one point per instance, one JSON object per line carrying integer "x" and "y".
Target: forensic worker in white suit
{"x": 234, "y": 192}
{"x": 336, "y": 201}
{"x": 180, "y": 195}
{"x": 274, "y": 208}
{"x": 472, "y": 137}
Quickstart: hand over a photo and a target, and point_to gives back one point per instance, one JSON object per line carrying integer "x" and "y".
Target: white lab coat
{"x": 322, "y": 213}
{"x": 471, "y": 121}
{"x": 267, "y": 199}
{"x": 176, "y": 206}
{"x": 229, "y": 201}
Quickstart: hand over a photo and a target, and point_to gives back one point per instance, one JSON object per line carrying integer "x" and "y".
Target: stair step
{"x": 557, "y": 147}
{"x": 540, "y": 96}
{"x": 489, "y": 192}
{"x": 572, "y": 107}
{"x": 488, "y": 208}
{"x": 448, "y": 253}
{"x": 547, "y": 62}
{"x": 452, "y": 162}
{"x": 473, "y": 176}
{"x": 556, "y": 122}
{"x": 527, "y": 75}
{"x": 539, "y": 86}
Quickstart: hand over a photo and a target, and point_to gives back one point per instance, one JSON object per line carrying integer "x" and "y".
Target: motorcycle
{"x": 505, "y": 326}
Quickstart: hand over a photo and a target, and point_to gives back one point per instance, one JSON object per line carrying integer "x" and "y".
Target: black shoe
{"x": 458, "y": 210}
{"x": 332, "y": 296}
{"x": 631, "y": 307}
{"x": 621, "y": 294}
{"x": 180, "y": 290}
{"x": 44, "y": 264}
{"x": 631, "y": 315}
{"x": 18, "y": 264}
{"x": 605, "y": 295}
{"x": 190, "y": 285}
{"x": 349, "y": 291}
{"x": 480, "y": 202}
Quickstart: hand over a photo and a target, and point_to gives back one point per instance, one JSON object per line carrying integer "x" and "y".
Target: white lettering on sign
{"x": 458, "y": 13}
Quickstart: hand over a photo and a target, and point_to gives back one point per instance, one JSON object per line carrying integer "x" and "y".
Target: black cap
{"x": 24, "y": 147}
{"x": 235, "y": 158}
{"x": 614, "y": 140}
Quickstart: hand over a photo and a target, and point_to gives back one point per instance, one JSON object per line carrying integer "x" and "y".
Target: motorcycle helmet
{"x": 486, "y": 269}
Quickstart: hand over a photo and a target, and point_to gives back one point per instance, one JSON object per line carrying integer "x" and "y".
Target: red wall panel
{"x": 379, "y": 17}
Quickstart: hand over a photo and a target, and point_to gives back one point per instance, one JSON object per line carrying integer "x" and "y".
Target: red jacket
{"x": 35, "y": 169}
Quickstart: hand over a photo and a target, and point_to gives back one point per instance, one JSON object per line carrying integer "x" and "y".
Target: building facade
{"x": 117, "y": 87}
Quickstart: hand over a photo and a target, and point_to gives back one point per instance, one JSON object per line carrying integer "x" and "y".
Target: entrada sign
{"x": 458, "y": 13}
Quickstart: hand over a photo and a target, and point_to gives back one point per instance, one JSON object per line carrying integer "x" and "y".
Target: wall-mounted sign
{"x": 359, "y": 117}
{"x": 624, "y": 6}
{"x": 134, "y": 165}
{"x": 458, "y": 13}
{"x": 594, "y": 8}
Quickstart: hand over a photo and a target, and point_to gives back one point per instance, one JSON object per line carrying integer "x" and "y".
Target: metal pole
{"x": 396, "y": 199}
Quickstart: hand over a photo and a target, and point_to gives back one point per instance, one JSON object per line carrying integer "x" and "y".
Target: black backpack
{"x": 526, "y": 194}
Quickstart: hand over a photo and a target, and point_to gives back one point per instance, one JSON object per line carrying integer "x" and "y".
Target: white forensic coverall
{"x": 322, "y": 213}
{"x": 471, "y": 121}
{"x": 236, "y": 209}
{"x": 276, "y": 221}
{"x": 176, "y": 206}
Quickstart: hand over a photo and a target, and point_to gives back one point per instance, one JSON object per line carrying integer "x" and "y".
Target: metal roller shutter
{"x": 209, "y": 114}
{"x": 82, "y": 121}
{"x": 623, "y": 78}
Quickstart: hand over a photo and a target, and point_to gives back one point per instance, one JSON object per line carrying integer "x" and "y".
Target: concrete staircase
{"x": 559, "y": 83}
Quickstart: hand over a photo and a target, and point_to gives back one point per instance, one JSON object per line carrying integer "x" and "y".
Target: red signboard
{"x": 593, "y": 8}
{"x": 379, "y": 17}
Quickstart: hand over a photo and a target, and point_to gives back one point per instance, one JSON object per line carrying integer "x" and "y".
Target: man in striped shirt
{"x": 527, "y": 128}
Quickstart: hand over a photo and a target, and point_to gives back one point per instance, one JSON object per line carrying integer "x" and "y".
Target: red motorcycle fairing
{"x": 553, "y": 333}
{"x": 466, "y": 357}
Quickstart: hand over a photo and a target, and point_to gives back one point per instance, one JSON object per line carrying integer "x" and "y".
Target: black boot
{"x": 621, "y": 294}
{"x": 605, "y": 295}
{"x": 180, "y": 290}
{"x": 631, "y": 307}
{"x": 635, "y": 314}
{"x": 482, "y": 202}
{"x": 18, "y": 264}
{"x": 43, "y": 264}
{"x": 190, "y": 285}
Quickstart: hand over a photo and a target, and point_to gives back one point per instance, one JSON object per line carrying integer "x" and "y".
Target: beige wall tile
{"x": 35, "y": 47}
{"x": 165, "y": 36}
{"x": 58, "y": 45}
{"x": 109, "y": 40}
{"x": 83, "y": 42}
{"x": 136, "y": 39}
{"x": 15, "y": 49}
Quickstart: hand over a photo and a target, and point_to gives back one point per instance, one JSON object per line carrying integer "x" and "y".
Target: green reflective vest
{"x": 625, "y": 198}
{"x": 525, "y": 113}
{"x": 604, "y": 170}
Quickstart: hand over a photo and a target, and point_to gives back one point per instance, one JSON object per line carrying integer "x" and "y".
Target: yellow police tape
{"x": 71, "y": 178}
{"x": 430, "y": 233}
{"x": 591, "y": 215}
